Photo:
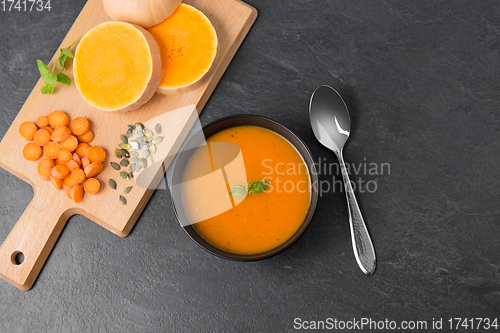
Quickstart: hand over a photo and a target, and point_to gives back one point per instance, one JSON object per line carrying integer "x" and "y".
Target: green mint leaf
{"x": 238, "y": 191}
{"x": 47, "y": 89}
{"x": 67, "y": 52}
{"x": 64, "y": 79}
{"x": 62, "y": 59}
{"x": 50, "y": 79}
{"x": 258, "y": 186}
{"x": 44, "y": 69}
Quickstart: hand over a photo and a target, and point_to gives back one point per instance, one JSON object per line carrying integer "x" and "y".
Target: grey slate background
{"x": 421, "y": 80}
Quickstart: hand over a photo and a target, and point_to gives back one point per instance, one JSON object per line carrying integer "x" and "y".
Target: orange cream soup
{"x": 262, "y": 221}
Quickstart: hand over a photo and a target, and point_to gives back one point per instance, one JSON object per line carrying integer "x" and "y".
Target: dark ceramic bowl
{"x": 179, "y": 164}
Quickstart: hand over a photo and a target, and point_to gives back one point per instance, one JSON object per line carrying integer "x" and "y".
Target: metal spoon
{"x": 331, "y": 125}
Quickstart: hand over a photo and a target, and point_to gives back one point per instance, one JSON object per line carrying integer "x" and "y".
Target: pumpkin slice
{"x": 141, "y": 12}
{"x": 188, "y": 46}
{"x": 117, "y": 66}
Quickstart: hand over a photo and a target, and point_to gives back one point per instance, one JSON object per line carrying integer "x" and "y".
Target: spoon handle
{"x": 361, "y": 241}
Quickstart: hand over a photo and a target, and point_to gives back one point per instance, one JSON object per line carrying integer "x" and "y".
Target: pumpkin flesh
{"x": 114, "y": 66}
{"x": 188, "y": 46}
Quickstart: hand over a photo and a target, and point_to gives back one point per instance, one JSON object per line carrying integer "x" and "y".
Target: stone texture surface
{"x": 421, "y": 80}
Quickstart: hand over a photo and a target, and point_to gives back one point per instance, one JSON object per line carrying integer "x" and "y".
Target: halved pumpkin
{"x": 188, "y": 46}
{"x": 145, "y": 13}
{"x": 117, "y": 66}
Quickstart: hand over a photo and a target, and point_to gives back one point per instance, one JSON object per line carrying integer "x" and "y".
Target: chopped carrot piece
{"x": 92, "y": 186}
{"x": 32, "y": 151}
{"x": 70, "y": 143}
{"x": 78, "y": 175}
{"x": 61, "y": 133}
{"x": 96, "y": 154}
{"x": 46, "y": 163}
{"x": 44, "y": 178}
{"x": 58, "y": 118}
{"x": 77, "y": 193}
{"x": 85, "y": 162}
{"x": 48, "y": 129}
{"x": 81, "y": 150}
{"x": 58, "y": 183}
{"x": 64, "y": 157}
{"x": 42, "y": 121}
{"x": 86, "y": 137}
{"x": 79, "y": 126}
{"x": 69, "y": 182}
{"x": 42, "y": 136}
{"x": 77, "y": 159}
{"x": 72, "y": 165}
{"x": 60, "y": 171}
{"x": 28, "y": 130}
{"x": 43, "y": 173}
{"x": 52, "y": 150}
{"x": 93, "y": 169}
{"x": 45, "y": 166}
{"x": 68, "y": 193}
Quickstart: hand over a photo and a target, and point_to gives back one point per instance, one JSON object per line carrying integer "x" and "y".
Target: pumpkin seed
{"x": 124, "y": 145}
{"x": 152, "y": 148}
{"x": 123, "y": 201}
{"x": 124, "y": 153}
{"x": 158, "y": 128}
{"x": 138, "y": 167}
{"x": 130, "y": 175}
{"x": 145, "y": 154}
{"x": 144, "y": 163}
{"x": 131, "y": 168}
{"x": 144, "y": 144}
{"x": 135, "y": 160}
{"x": 134, "y": 144}
{"x": 134, "y": 154}
{"x": 141, "y": 125}
{"x": 129, "y": 133}
{"x": 139, "y": 129}
{"x": 112, "y": 184}
{"x": 131, "y": 127}
{"x": 124, "y": 175}
{"x": 157, "y": 140}
{"x": 148, "y": 132}
{"x": 124, "y": 162}
{"x": 117, "y": 153}
{"x": 115, "y": 165}
{"x": 124, "y": 138}
{"x": 127, "y": 189}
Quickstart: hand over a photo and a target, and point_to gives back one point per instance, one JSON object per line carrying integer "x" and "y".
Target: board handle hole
{"x": 17, "y": 258}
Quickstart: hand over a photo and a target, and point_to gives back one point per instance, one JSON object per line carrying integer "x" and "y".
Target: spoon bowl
{"x": 330, "y": 120}
{"x": 331, "y": 125}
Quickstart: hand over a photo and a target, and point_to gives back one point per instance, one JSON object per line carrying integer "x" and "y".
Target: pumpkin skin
{"x": 145, "y": 13}
{"x": 117, "y": 66}
{"x": 188, "y": 46}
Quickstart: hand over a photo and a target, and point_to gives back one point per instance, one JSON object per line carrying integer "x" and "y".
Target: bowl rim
{"x": 312, "y": 205}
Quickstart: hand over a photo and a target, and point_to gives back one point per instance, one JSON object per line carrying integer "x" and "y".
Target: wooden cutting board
{"x": 39, "y": 227}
